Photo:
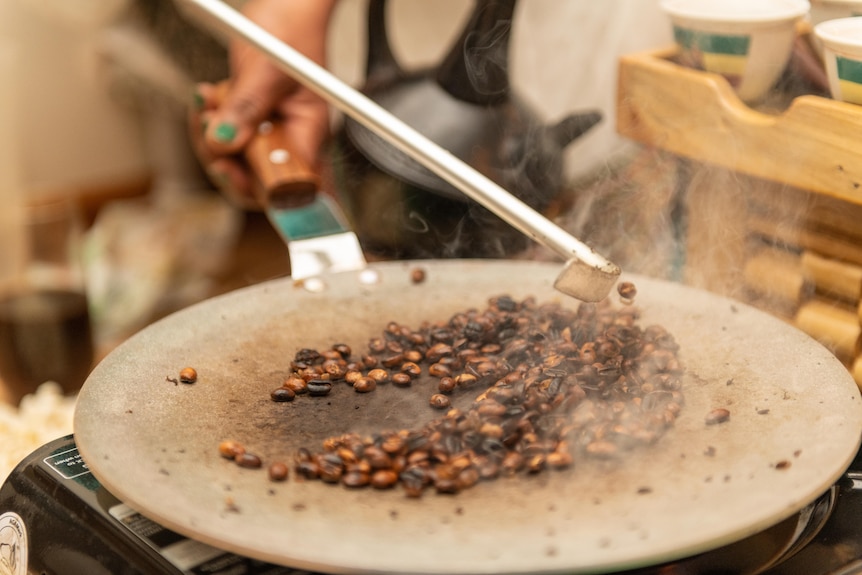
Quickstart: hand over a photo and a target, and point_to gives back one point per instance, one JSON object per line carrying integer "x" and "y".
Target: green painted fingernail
{"x": 198, "y": 100}
{"x": 225, "y": 133}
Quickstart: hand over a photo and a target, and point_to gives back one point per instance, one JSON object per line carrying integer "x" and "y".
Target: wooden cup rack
{"x": 772, "y": 193}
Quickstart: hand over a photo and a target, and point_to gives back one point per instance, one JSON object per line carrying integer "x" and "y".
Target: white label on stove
{"x": 183, "y": 553}
{"x": 68, "y": 464}
{"x": 13, "y": 544}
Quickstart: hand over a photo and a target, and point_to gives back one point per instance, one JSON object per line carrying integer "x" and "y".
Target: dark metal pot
{"x": 467, "y": 106}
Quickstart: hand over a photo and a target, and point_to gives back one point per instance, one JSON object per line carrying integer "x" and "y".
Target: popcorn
{"x": 41, "y": 417}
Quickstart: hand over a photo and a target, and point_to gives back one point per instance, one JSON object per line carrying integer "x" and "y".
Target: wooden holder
{"x": 813, "y": 144}
{"x": 756, "y": 169}
{"x": 832, "y": 277}
{"x": 836, "y": 328}
{"x": 776, "y": 275}
{"x": 856, "y": 370}
{"x": 828, "y": 245}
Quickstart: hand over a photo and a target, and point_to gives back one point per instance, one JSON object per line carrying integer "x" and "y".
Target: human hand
{"x": 225, "y": 116}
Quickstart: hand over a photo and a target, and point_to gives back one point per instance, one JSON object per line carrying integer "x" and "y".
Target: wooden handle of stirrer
{"x": 284, "y": 179}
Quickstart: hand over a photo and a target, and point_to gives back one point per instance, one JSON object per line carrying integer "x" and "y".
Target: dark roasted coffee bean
{"x": 319, "y": 387}
{"x": 282, "y": 394}
{"x": 248, "y": 460}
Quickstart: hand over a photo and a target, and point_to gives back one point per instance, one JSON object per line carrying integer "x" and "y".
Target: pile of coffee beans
{"x": 550, "y": 384}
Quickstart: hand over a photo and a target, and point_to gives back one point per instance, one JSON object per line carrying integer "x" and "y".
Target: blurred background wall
{"x": 73, "y": 132}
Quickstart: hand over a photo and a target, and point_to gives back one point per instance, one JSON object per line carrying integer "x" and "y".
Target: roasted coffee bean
{"x": 465, "y": 379}
{"x": 393, "y": 360}
{"x": 384, "y": 479}
{"x": 492, "y": 430}
{"x": 439, "y": 401}
{"x": 282, "y": 394}
{"x": 319, "y": 387}
{"x": 188, "y": 375}
{"x": 411, "y": 368}
{"x": 335, "y": 368}
{"x": 377, "y": 458}
{"x": 330, "y": 354}
{"x": 303, "y": 454}
{"x": 355, "y": 479}
{"x": 512, "y": 463}
{"x": 439, "y": 370}
{"x": 278, "y": 471}
{"x": 491, "y": 349}
{"x": 557, "y": 460}
{"x": 417, "y": 275}
{"x": 347, "y": 455}
{"x": 418, "y": 457}
{"x": 394, "y": 347}
{"x": 446, "y": 385}
{"x": 442, "y": 335}
{"x": 230, "y": 449}
{"x": 490, "y": 408}
{"x": 248, "y": 460}
{"x": 364, "y": 385}
{"x": 296, "y": 384}
{"x": 504, "y": 303}
{"x": 412, "y": 487}
{"x": 484, "y": 369}
{"x": 379, "y": 375}
{"x": 413, "y": 356}
{"x": 331, "y": 468}
{"x": 332, "y": 443}
{"x": 401, "y": 379}
{"x": 343, "y": 350}
{"x": 377, "y": 345}
{"x": 716, "y": 416}
{"x": 438, "y": 351}
{"x": 393, "y": 444}
{"x": 307, "y": 355}
{"x": 307, "y": 469}
{"x": 448, "y": 486}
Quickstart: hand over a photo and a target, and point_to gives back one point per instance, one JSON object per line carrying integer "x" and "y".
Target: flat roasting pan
{"x": 154, "y": 444}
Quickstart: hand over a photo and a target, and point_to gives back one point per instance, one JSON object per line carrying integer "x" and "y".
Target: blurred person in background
{"x": 570, "y": 46}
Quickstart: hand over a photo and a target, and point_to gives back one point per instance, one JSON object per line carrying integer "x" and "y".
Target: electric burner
{"x": 56, "y": 518}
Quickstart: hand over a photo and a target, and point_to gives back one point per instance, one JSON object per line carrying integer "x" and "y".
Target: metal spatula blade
{"x": 317, "y": 237}
{"x": 312, "y": 225}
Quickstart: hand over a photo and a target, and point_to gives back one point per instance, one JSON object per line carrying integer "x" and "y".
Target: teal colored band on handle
{"x": 311, "y": 221}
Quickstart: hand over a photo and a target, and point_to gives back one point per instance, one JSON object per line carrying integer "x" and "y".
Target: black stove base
{"x": 57, "y": 519}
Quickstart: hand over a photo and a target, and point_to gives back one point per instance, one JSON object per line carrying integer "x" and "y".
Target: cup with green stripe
{"x": 748, "y": 42}
{"x": 842, "y": 56}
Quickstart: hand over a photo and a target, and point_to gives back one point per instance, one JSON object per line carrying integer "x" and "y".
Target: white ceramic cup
{"x": 749, "y": 42}
{"x": 823, "y": 10}
{"x": 842, "y": 57}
